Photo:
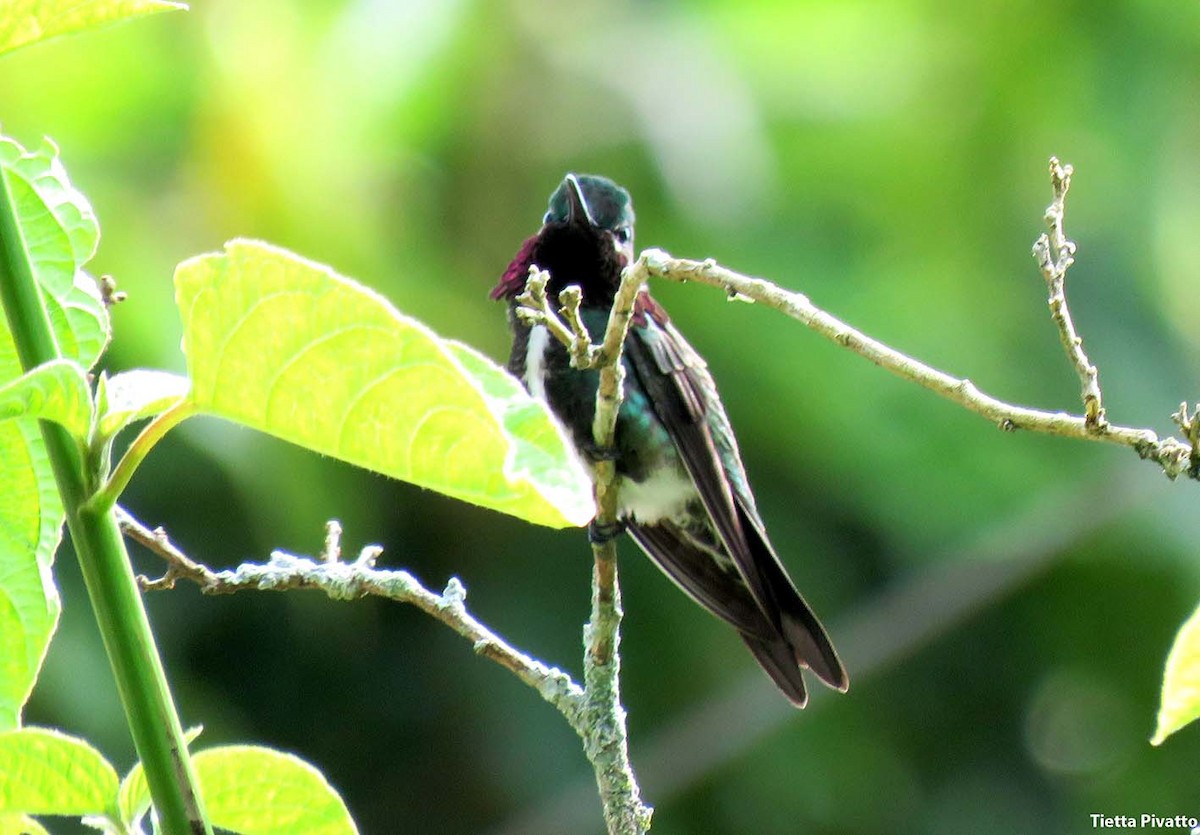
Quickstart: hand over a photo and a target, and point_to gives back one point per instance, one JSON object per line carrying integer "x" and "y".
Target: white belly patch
{"x": 661, "y": 496}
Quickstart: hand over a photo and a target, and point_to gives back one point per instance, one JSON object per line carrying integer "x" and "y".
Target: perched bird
{"x": 683, "y": 492}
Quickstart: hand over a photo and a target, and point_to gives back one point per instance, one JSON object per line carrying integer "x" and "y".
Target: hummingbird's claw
{"x": 600, "y": 533}
{"x": 596, "y": 453}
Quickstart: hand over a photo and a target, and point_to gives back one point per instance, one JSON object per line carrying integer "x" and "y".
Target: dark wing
{"x": 699, "y": 565}
{"x": 738, "y": 578}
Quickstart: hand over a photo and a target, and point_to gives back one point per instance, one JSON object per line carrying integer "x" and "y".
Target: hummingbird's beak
{"x": 577, "y": 208}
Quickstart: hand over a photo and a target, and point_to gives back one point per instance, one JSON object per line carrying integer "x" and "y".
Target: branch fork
{"x": 533, "y": 308}
{"x": 1189, "y": 424}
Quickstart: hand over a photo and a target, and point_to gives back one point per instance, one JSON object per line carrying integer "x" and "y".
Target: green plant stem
{"x": 141, "y": 682}
{"x": 106, "y": 497}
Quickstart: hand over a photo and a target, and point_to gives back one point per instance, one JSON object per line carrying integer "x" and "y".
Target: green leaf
{"x": 24, "y": 22}
{"x": 133, "y": 395}
{"x": 133, "y": 798}
{"x": 537, "y": 438}
{"x": 1181, "y": 682}
{"x": 45, "y": 772}
{"x": 289, "y": 347}
{"x": 60, "y": 233}
{"x": 43, "y": 169}
{"x": 31, "y": 519}
{"x": 20, "y": 825}
{"x": 259, "y": 791}
{"x": 56, "y": 391}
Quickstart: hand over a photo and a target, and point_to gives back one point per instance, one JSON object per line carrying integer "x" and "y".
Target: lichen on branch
{"x": 1055, "y": 255}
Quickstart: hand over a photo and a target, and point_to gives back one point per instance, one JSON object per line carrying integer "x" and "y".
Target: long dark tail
{"x": 799, "y": 641}
{"x": 783, "y": 659}
{"x": 775, "y": 622}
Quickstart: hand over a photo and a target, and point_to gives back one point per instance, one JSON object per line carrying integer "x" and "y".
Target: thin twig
{"x": 179, "y": 565}
{"x": 332, "y": 552}
{"x": 533, "y": 308}
{"x": 1189, "y": 424}
{"x": 348, "y": 581}
{"x": 583, "y": 354}
{"x": 1168, "y": 453}
{"x": 606, "y": 741}
{"x": 608, "y": 746}
{"x": 1055, "y": 254}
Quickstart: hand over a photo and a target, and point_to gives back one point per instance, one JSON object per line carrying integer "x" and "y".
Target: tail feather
{"x": 801, "y": 635}
{"x": 779, "y": 662}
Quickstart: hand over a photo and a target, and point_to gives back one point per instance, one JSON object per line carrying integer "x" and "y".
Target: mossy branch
{"x": 598, "y": 721}
{"x": 1055, "y": 255}
{"x": 349, "y": 581}
{"x": 606, "y": 739}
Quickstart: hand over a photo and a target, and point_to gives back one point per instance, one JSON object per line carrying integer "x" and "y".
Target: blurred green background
{"x": 1004, "y": 602}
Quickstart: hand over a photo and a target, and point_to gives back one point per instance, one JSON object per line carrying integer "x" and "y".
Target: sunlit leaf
{"x": 1181, "y": 682}
{"x": 289, "y": 347}
{"x": 31, "y": 520}
{"x": 537, "y": 442}
{"x": 259, "y": 791}
{"x": 57, "y": 391}
{"x": 25, "y": 22}
{"x": 45, "y": 772}
{"x": 20, "y": 825}
{"x": 133, "y": 395}
{"x": 61, "y": 235}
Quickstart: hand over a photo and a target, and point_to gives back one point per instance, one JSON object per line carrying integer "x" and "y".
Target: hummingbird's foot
{"x": 601, "y": 533}
{"x": 596, "y": 453}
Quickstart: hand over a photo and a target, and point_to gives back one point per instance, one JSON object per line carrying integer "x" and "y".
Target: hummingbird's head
{"x": 586, "y": 239}
{"x": 597, "y": 204}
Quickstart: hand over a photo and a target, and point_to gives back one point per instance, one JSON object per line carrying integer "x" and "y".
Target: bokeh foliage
{"x": 886, "y": 159}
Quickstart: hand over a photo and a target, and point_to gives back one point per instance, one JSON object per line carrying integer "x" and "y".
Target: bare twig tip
{"x": 368, "y": 556}
{"x": 332, "y": 551}
{"x": 455, "y": 592}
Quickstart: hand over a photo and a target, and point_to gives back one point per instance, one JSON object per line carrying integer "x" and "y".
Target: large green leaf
{"x": 45, "y": 772}
{"x": 56, "y": 391}
{"x": 61, "y": 235}
{"x": 259, "y": 791}
{"x": 289, "y": 347}
{"x": 60, "y": 232}
{"x": 1181, "y": 682}
{"x": 236, "y": 779}
{"x": 25, "y": 22}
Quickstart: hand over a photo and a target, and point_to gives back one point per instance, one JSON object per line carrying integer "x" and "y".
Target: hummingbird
{"x": 682, "y": 490}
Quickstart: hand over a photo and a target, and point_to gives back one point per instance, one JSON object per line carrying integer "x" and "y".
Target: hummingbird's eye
{"x": 624, "y": 234}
